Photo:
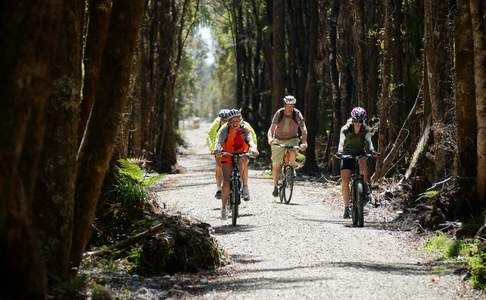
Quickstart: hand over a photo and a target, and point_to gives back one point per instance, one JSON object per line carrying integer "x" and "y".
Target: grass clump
{"x": 463, "y": 252}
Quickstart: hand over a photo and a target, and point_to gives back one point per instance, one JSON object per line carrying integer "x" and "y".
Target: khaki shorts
{"x": 278, "y": 152}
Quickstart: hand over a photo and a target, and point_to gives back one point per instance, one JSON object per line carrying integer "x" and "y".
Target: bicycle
{"x": 358, "y": 194}
{"x": 235, "y": 184}
{"x": 287, "y": 174}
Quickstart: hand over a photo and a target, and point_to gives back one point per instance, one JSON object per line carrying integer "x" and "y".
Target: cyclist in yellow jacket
{"x": 211, "y": 143}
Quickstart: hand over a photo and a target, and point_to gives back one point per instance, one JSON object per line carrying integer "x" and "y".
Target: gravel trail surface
{"x": 304, "y": 250}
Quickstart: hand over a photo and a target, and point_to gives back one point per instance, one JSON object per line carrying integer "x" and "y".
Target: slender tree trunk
{"x": 99, "y": 19}
{"x": 111, "y": 97}
{"x": 396, "y": 79}
{"x": 53, "y": 218}
{"x": 465, "y": 94}
{"x": 385, "y": 92}
{"x": 278, "y": 52}
{"x": 360, "y": 43}
{"x": 480, "y": 83}
{"x": 29, "y": 32}
{"x": 336, "y": 95}
{"x": 437, "y": 59}
{"x": 312, "y": 95}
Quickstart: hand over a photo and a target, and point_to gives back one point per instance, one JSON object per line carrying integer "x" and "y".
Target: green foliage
{"x": 131, "y": 184}
{"x": 462, "y": 252}
{"x": 428, "y": 195}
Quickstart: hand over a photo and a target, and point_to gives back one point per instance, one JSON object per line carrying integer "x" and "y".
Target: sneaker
{"x": 218, "y": 194}
{"x": 346, "y": 213}
{"x": 275, "y": 192}
{"x": 224, "y": 213}
{"x": 245, "y": 194}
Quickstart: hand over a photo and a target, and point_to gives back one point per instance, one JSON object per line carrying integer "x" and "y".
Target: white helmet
{"x": 289, "y": 99}
{"x": 234, "y": 113}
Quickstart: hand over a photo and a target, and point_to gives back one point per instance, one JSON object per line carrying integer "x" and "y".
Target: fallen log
{"x": 128, "y": 242}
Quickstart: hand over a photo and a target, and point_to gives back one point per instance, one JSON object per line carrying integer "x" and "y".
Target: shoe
{"x": 218, "y": 194}
{"x": 275, "y": 192}
{"x": 224, "y": 213}
{"x": 346, "y": 213}
{"x": 245, "y": 194}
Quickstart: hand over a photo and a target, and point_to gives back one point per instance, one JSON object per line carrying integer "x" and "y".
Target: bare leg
{"x": 243, "y": 165}
{"x": 363, "y": 169}
{"x": 226, "y": 184}
{"x": 345, "y": 177}
{"x": 275, "y": 173}
{"x": 219, "y": 173}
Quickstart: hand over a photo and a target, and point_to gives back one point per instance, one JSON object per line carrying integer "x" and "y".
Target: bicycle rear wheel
{"x": 288, "y": 189}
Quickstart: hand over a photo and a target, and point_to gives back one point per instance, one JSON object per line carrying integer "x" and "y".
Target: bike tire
{"x": 354, "y": 204}
{"x": 360, "y": 199}
{"x": 281, "y": 186}
{"x": 289, "y": 184}
{"x": 235, "y": 202}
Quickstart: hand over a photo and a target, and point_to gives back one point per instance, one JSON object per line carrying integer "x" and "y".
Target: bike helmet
{"x": 359, "y": 114}
{"x": 289, "y": 99}
{"x": 223, "y": 114}
{"x": 234, "y": 113}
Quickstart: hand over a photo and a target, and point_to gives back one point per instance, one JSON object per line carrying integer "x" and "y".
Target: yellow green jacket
{"x": 216, "y": 126}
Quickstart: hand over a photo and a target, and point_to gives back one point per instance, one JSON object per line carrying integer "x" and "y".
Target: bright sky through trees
{"x": 207, "y": 37}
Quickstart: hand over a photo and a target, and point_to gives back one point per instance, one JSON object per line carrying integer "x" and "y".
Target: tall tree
{"x": 111, "y": 97}
{"x": 480, "y": 90}
{"x": 54, "y": 193}
{"x": 465, "y": 166}
{"x": 437, "y": 53}
{"x": 278, "y": 53}
{"x": 28, "y": 32}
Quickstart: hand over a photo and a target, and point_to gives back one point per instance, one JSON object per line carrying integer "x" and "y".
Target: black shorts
{"x": 348, "y": 163}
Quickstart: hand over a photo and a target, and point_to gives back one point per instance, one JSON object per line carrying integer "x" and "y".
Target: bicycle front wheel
{"x": 235, "y": 200}
{"x": 288, "y": 189}
{"x": 358, "y": 204}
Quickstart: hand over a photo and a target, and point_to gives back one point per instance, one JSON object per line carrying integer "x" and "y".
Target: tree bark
{"x": 466, "y": 163}
{"x": 312, "y": 95}
{"x": 360, "y": 49}
{"x": 28, "y": 32}
{"x": 385, "y": 93}
{"x": 480, "y": 90}
{"x": 111, "y": 97}
{"x": 54, "y": 192}
{"x": 99, "y": 19}
{"x": 336, "y": 95}
{"x": 278, "y": 52}
{"x": 436, "y": 51}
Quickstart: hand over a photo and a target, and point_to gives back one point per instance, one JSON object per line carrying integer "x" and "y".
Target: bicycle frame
{"x": 285, "y": 167}
{"x": 357, "y": 190}
{"x": 235, "y": 184}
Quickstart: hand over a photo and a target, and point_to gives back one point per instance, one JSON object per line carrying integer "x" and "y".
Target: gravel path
{"x": 302, "y": 250}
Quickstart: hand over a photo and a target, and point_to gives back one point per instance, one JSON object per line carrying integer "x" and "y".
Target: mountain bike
{"x": 287, "y": 174}
{"x": 358, "y": 192}
{"x": 235, "y": 184}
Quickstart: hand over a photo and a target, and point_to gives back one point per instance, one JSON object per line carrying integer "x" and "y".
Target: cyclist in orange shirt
{"x": 234, "y": 137}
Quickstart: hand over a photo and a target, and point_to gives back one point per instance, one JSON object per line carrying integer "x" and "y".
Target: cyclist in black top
{"x": 355, "y": 138}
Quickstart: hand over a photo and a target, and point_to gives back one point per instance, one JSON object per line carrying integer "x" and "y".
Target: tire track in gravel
{"x": 303, "y": 250}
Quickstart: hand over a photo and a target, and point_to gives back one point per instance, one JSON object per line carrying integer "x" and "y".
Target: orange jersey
{"x": 234, "y": 143}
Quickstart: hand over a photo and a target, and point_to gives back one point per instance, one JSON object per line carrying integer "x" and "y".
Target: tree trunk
{"x": 436, "y": 51}
{"x": 278, "y": 52}
{"x": 480, "y": 82}
{"x": 360, "y": 44}
{"x": 466, "y": 163}
{"x": 54, "y": 193}
{"x": 29, "y": 32}
{"x": 99, "y": 19}
{"x": 111, "y": 97}
{"x": 336, "y": 95}
{"x": 385, "y": 92}
{"x": 312, "y": 95}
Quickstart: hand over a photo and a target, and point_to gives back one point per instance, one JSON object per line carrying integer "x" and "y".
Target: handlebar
{"x": 357, "y": 157}
{"x": 248, "y": 154}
